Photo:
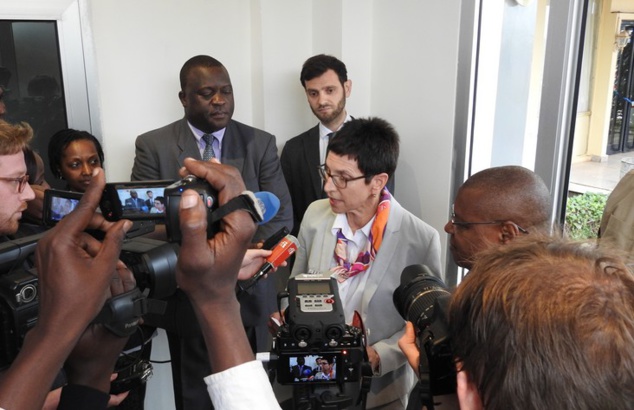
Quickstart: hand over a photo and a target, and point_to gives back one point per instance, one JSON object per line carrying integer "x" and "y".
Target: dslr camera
{"x": 423, "y": 299}
{"x": 316, "y": 351}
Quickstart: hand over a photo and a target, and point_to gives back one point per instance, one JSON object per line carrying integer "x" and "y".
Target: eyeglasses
{"x": 496, "y": 222}
{"x": 21, "y": 181}
{"x": 339, "y": 181}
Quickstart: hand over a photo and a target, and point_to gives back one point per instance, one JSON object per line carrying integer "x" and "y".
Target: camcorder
{"x": 316, "y": 351}
{"x": 143, "y": 202}
{"x": 18, "y": 296}
{"x": 423, "y": 299}
{"x": 152, "y": 262}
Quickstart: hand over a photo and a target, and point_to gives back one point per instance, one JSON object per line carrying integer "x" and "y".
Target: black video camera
{"x": 121, "y": 201}
{"x": 18, "y": 296}
{"x": 423, "y": 299}
{"x": 145, "y": 202}
{"x": 315, "y": 349}
{"x": 152, "y": 262}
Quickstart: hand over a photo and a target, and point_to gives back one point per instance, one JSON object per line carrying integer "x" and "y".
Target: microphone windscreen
{"x": 268, "y": 204}
{"x": 283, "y": 250}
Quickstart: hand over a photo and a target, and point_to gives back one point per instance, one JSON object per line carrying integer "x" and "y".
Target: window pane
{"x": 30, "y": 71}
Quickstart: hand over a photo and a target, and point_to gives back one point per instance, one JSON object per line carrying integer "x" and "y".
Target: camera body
{"x": 423, "y": 299}
{"x": 120, "y": 201}
{"x": 315, "y": 329}
{"x": 18, "y": 311}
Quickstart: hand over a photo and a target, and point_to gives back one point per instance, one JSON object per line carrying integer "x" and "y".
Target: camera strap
{"x": 246, "y": 202}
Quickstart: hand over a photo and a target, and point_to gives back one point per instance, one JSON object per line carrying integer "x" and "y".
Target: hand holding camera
{"x": 207, "y": 269}
{"x": 75, "y": 274}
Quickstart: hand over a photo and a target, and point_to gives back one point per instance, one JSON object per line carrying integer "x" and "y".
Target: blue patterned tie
{"x": 209, "y": 147}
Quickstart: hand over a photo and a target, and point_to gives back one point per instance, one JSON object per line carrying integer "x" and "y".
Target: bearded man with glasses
{"x": 15, "y": 190}
{"x": 493, "y": 207}
{"x": 363, "y": 237}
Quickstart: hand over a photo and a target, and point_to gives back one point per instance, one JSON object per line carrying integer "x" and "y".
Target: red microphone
{"x": 281, "y": 252}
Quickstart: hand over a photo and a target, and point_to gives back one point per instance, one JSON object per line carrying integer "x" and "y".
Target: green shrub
{"x": 583, "y": 215}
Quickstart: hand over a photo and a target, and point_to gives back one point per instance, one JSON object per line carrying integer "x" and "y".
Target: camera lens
{"x": 414, "y": 298}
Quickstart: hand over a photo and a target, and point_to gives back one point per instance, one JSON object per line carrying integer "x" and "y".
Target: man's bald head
{"x": 494, "y": 206}
{"x": 511, "y": 192}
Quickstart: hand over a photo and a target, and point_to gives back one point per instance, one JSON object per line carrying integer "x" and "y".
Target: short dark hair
{"x": 160, "y": 199}
{"x": 546, "y": 322}
{"x": 60, "y": 140}
{"x": 319, "y": 64}
{"x": 196, "y": 61}
{"x": 328, "y": 358}
{"x": 372, "y": 142}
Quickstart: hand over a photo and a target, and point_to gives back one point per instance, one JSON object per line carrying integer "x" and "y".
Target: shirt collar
{"x": 198, "y": 134}
{"x": 341, "y": 222}
{"x": 323, "y": 131}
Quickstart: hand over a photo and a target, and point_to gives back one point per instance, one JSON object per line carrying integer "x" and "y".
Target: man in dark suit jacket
{"x": 134, "y": 202}
{"x": 207, "y": 97}
{"x": 325, "y": 80}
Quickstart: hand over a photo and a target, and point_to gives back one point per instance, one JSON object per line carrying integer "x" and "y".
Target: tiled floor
{"x": 601, "y": 177}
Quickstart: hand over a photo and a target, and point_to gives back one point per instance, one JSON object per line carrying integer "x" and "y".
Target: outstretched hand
{"x": 83, "y": 366}
{"x": 207, "y": 269}
{"x": 75, "y": 269}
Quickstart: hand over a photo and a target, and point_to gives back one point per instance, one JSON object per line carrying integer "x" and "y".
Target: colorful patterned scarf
{"x": 344, "y": 268}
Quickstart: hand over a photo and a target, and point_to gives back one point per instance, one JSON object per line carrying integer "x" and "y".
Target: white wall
{"x": 401, "y": 57}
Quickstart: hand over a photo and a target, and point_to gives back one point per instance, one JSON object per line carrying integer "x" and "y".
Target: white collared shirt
{"x": 323, "y": 138}
{"x": 351, "y": 290}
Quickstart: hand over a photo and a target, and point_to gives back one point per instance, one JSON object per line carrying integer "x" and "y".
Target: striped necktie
{"x": 209, "y": 147}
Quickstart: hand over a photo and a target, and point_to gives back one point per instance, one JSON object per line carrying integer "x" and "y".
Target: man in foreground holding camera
{"x": 76, "y": 275}
{"x": 543, "y": 324}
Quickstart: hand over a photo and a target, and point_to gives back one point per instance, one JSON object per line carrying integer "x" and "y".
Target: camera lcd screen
{"x": 138, "y": 201}
{"x": 60, "y": 207}
{"x": 313, "y": 287}
{"x": 58, "y": 204}
{"x": 308, "y": 369}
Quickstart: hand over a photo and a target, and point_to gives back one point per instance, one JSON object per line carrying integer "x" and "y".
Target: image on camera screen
{"x": 136, "y": 201}
{"x": 313, "y": 368}
{"x": 60, "y": 207}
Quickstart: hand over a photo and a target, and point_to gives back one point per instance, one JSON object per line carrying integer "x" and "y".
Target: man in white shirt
{"x": 325, "y": 81}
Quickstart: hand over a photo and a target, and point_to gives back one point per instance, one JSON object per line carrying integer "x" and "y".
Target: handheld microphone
{"x": 269, "y": 205}
{"x": 282, "y": 251}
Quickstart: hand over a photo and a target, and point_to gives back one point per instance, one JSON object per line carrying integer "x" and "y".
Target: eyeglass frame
{"x": 22, "y": 181}
{"x": 495, "y": 222}
{"x": 323, "y": 173}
